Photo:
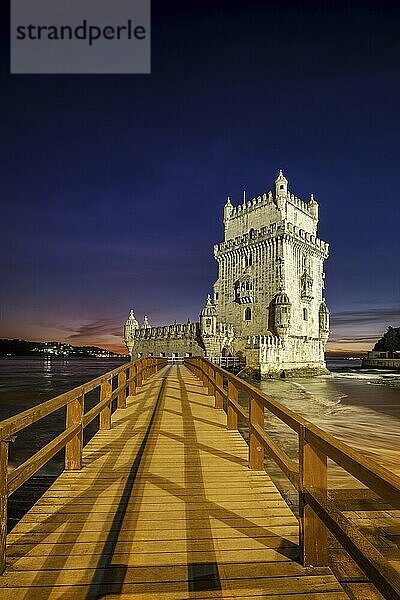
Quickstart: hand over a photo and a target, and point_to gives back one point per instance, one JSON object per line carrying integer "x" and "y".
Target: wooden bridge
{"x": 168, "y": 501}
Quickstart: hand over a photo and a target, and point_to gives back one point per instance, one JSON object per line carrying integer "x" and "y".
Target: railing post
{"x": 105, "y": 414}
{"x": 256, "y": 450}
{"x": 3, "y": 503}
{"x": 205, "y": 374}
{"x": 313, "y": 475}
{"x": 139, "y": 374}
{"x": 146, "y": 368}
{"x": 232, "y": 418}
{"x": 203, "y": 367}
{"x": 121, "y": 403}
{"x": 219, "y": 398}
{"x": 73, "y": 448}
{"x": 210, "y": 372}
{"x": 133, "y": 383}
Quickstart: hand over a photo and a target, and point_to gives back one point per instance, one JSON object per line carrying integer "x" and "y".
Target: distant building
{"x": 381, "y": 359}
{"x": 267, "y": 303}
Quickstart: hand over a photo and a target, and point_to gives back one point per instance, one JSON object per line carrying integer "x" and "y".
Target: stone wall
{"x": 381, "y": 363}
{"x": 167, "y": 347}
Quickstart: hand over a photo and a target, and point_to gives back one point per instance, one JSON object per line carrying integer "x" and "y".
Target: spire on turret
{"x": 281, "y": 185}
{"x": 228, "y": 208}
{"x": 131, "y": 322}
{"x": 145, "y": 324}
{"x": 313, "y": 207}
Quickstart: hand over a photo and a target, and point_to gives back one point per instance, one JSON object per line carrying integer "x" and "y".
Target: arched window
{"x": 282, "y": 187}
{"x": 247, "y": 314}
{"x": 305, "y": 314}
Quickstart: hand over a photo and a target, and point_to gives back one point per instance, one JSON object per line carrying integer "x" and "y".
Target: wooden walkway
{"x": 164, "y": 508}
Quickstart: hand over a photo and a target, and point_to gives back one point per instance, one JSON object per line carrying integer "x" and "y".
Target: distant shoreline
{"x": 24, "y": 348}
{"x": 64, "y": 357}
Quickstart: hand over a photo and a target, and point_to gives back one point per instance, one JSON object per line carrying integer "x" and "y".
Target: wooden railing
{"x": 318, "y": 510}
{"x": 127, "y": 377}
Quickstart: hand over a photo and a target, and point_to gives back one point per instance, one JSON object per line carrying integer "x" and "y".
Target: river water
{"x": 26, "y": 382}
{"x": 360, "y": 407}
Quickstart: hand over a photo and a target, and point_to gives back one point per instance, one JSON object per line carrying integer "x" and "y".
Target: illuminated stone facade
{"x": 268, "y": 300}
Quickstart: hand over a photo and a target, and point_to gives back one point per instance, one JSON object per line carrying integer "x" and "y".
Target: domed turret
{"x": 282, "y": 309}
{"x": 130, "y": 326}
{"x": 130, "y": 329}
{"x": 208, "y": 318}
{"x": 323, "y": 322}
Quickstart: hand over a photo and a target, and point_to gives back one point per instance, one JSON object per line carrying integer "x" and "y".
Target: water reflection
{"x": 47, "y": 367}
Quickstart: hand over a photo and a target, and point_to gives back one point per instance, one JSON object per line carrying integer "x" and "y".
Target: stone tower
{"x": 271, "y": 280}
{"x": 268, "y": 300}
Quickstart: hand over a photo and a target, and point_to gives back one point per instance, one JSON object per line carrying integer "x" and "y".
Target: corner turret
{"x": 323, "y": 322}
{"x": 208, "y": 318}
{"x": 228, "y": 208}
{"x": 131, "y": 325}
{"x": 281, "y": 186}
{"x": 281, "y": 309}
{"x": 313, "y": 207}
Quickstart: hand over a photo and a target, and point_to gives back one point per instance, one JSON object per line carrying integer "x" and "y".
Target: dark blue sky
{"x": 113, "y": 186}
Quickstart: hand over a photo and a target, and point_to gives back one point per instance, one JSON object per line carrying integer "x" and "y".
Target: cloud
{"x": 97, "y": 329}
{"x": 353, "y": 338}
{"x": 389, "y": 315}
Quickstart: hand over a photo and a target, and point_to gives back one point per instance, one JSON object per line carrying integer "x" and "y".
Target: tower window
{"x": 281, "y": 187}
{"x": 208, "y": 321}
{"x": 248, "y": 260}
{"x": 305, "y": 314}
{"x": 247, "y": 314}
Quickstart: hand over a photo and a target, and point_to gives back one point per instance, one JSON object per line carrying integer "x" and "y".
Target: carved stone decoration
{"x": 243, "y": 290}
{"x": 306, "y": 287}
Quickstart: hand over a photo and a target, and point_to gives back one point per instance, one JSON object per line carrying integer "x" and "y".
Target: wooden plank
{"x": 256, "y": 449}
{"x": 105, "y": 400}
{"x": 3, "y": 502}
{"x": 74, "y": 448}
{"x": 122, "y": 387}
{"x": 313, "y": 532}
{"x": 232, "y": 415}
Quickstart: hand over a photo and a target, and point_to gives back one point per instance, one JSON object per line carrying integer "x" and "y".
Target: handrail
{"x": 14, "y": 424}
{"x": 130, "y": 375}
{"x": 318, "y": 511}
